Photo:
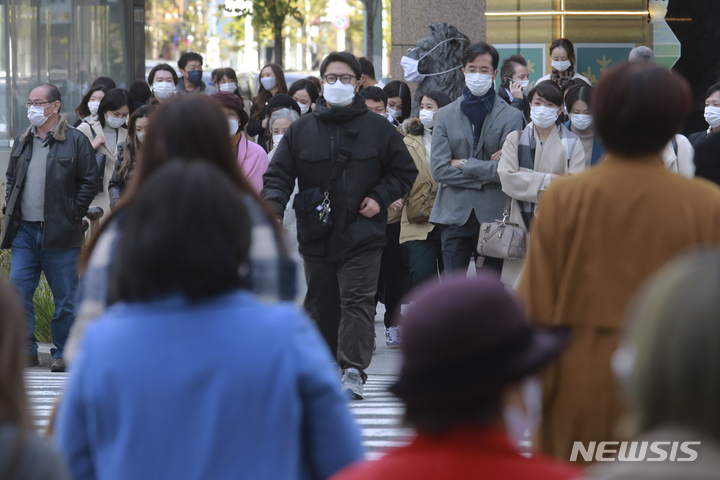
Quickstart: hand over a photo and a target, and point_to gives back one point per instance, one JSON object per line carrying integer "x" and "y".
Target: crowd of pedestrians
{"x": 524, "y": 240}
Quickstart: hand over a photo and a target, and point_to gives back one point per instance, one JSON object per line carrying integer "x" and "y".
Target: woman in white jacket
{"x": 533, "y": 158}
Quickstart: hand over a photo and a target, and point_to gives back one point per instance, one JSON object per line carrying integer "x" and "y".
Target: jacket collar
{"x": 57, "y": 132}
{"x": 339, "y": 114}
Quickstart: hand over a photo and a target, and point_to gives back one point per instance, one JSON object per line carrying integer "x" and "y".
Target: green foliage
{"x": 272, "y": 14}
{"x": 43, "y": 300}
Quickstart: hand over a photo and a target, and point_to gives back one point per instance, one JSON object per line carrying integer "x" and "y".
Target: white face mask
{"x": 228, "y": 87}
{"x": 303, "y": 108}
{"x": 163, "y": 90}
{"x": 276, "y": 139}
{"x": 93, "y": 107}
{"x": 581, "y": 122}
{"x": 543, "y": 117}
{"x": 140, "y": 136}
{"x": 478, "y": 83}
{"x": 394, "y": 113}
{"x": 561, "y": 66}
{"x": 389, "y": 117}
{"x": 522, "y": 424}
{"x": 427, "y": 118}
{"x": 338, "y": 94}
{"x": 268, "y": 82}
{"x": 36, "y": 115}
{"x": 233, "y": 125}
{"x": 410, "y": 65}
{"x": 712, "y": 116}
{"x": 115, "y": 122}
{"x": 524, "y": 84}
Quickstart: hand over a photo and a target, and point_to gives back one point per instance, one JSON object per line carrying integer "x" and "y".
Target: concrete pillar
{"x": 411, "y": 20}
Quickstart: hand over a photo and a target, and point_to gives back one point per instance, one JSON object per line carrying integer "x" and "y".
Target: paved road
{"x": 378, "y": 415}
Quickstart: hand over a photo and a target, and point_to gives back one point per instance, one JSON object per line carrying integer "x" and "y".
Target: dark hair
{"x": 140, "y": 91}
{"x": 566, "y": 45}
{"x": 639, "y": 107}
{"x": 315, "y": 81}
{"x": 82, "y": 110}
{"x": 165, "y": 68}
{"x": 509, "y": 65}
{"x": 375, "y": 94}
{"x": 189, "y": 57}
{"x": 13, "y": 359}
{"x": 52, "y": 94}
{"x": 230, "y": 74}
{"x": 263, "y": 96}
{"x": 441, "y": 98}
{"x": 711, "y": 90}
{"x": 582, "y": 92}
{"x": 396, "y": 88}
{"x": 439, "y": 413}
{"x": 343, "y": 57}
{"x": 158, "y": 254}
{"x": 549, "y": 91}
{"x": 573, "y": 82}
{"x": 186, "y": 127}
{"x": 474, "y": 50}
{"x": 367, "y": 68}
{"x": 215, "y": 76}
{"x": 115, "y": 99}
{"x": 308, "y": 86}
{"x": 131, "y": 146}
{"x": 106, "y": 82}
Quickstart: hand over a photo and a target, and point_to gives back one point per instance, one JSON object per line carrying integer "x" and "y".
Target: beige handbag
{"x": 501, "y": 239}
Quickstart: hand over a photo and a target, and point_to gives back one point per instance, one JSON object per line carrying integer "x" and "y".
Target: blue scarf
{"x": 477, "y": 109}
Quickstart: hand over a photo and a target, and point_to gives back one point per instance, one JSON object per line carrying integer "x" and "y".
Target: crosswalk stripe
{"x": 379, "y": 414}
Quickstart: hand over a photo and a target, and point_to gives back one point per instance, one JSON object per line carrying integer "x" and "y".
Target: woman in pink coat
{"x": 251, "y": 157}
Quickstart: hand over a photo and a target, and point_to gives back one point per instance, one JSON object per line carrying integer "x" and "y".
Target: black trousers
{"x": 341, "y": 299}
{"x": 459, "y": 245}
{"x": 394, "y": 279}
{"x": 426, "y": 258}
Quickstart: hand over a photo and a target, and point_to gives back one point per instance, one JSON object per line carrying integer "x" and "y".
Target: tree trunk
{"x": 370, "y": 12}
{"x": 278, "y": 49}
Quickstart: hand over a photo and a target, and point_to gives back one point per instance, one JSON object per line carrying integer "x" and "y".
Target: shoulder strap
{"x": 675, "y": 145}
{"x": 92, "y": 130}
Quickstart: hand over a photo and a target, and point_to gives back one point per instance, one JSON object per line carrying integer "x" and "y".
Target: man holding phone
{"x": 515, "y": 84}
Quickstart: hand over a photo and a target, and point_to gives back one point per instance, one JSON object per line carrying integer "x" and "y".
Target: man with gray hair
{"x": 52, "y": 178}
{"x": 642, "y": 54}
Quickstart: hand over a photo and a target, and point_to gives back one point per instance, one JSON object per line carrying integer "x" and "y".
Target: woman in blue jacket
{"x": 578, "y": 104}
{"x": 189, "y": 376}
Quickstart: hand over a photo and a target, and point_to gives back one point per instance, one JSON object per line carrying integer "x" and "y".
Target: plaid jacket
{"x": 271, "y": 272}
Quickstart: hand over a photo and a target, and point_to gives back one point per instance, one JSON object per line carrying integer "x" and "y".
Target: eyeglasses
{"x": 36, "y": 104}
{"x": 331, "y": 79}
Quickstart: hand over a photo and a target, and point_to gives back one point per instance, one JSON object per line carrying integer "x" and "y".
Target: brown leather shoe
{"x": 33, "y": 360}
{"x": 58, "y": 365}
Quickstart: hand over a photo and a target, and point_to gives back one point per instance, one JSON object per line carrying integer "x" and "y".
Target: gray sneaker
{"x": 352, "y": 383}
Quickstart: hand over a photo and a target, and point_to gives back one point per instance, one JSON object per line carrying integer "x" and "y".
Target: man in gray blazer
{"x": 466, "y": 143}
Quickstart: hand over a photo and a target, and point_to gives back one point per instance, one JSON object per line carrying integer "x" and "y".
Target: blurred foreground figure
{"x": 191, "y": 376}
{"x": 23, "y": 456}
{"x": 600, "y": 234}
{"x": 668, "y": 364}
{"x": 467, "y": 380}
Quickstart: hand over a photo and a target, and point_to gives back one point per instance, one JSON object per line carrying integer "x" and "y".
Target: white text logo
{"x": 635, "y": 451}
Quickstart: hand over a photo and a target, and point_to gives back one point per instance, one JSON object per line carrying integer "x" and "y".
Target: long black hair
{"x": 113, "y": 100}
{"x": 396, "y": 88}
{"x": 83, "y": 110}
{"x": 441, "y": 98}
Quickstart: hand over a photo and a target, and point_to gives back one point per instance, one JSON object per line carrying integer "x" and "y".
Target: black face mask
{"x": 195, "y": 77}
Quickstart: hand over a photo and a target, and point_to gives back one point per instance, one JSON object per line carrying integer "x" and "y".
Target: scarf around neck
{"x": 561, "y": 78}
{"x": 477, "y": 109}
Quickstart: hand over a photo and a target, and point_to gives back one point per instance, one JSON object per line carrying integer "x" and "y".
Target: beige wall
{"x": 411, "y": 20}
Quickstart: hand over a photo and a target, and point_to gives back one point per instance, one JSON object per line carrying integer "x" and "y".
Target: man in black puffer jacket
{"x": 341, "y": 261}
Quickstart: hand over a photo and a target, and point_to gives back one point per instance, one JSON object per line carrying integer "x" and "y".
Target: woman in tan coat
{"x": 601, "y": 234}
{"x": 535, "y": 157}
{"x": 422, "y": 237}
{"x": 106, "y": 131}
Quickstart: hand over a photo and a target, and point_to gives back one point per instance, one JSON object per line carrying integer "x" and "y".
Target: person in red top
{"x": 469, "y": 383}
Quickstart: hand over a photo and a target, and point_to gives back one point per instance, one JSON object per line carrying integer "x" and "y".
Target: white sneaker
{"x": 392, "y": 337}
{"x": 352, "y": 383}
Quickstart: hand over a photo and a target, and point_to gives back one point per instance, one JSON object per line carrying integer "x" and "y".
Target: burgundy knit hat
{"x": 470, "y": 334}
{"x": 230, "y": 100}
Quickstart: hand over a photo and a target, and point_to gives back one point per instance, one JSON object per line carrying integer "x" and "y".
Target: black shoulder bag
{"x": 100, "y": 159}
{"x": 312, "y": 206}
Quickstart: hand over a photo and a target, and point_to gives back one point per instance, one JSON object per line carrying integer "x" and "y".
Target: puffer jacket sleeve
{"x": 279, "y": 178}
{"x": 399, "y": 171}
